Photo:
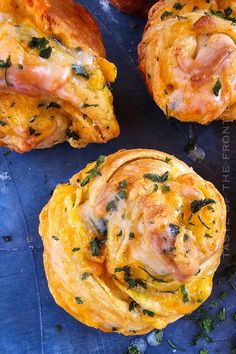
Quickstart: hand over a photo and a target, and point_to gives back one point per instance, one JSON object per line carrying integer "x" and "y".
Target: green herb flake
{"x": 71, "y": 134}
{"x": 53, "y": 105}
{"x": 7, "y": 238}
{"x": 178, "y": 6}
{"x": 58, "y": 327}
{"x": 6, "y": 65}
{"x": 165, "y": 188}
{"x": 185, "y": 237}
{"x": 85, "y": 276}
{"x": 75, "y": 249}
{"x": 217, "y": 87}
{"x": 207, "y": 324}
{"x": 228, "y": 11}
{"x": 132, "y": 305}
{"x": 80, "y": 70}
{"x": 221, "y": 315}
{"x": 222, "y": 295}
{"x": 133, "y": 350}
{"x": 157, "y": 178}
{"x": 78, "y": 300}
{"x": 158, "y": 335}
{"x": 184, "y": 292}
{"x": 167, "y": 159}
{"x": 122, "y": 194}
{"x": 55, "y": 238}
{"x": 131, "y": 236}
{"x": 123, "y": 184}
{"x": 166, "y": 14}
{"x": 197, "y": 205}
{"x": 87, "y": 105}
{"x": 155, "y": 189}
{"x": 45, "y": 53}
{"x": 96, "y": 245}
{"x": 2, "y": 123}
{"x": 203, "y": 351}
{"x": 111, "y": 206}
{"x": 94, "y": 172}
{"x": 148, "y": 313}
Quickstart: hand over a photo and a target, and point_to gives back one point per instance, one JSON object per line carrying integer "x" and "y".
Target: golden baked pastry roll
{"x": 133, "y": 241}
{"x": 139, "y": 7}
{"x": 53, "y": 76}
{"x": 188, "y": 60}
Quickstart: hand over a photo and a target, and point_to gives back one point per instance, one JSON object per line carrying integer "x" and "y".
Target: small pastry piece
{"x": 187, "y": 58}
{"x": 53, "y": 76}
{"x": 133, "y": 241}
{"x": 139, "y": 7}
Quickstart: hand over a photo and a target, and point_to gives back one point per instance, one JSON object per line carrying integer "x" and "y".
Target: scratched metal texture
{"x": 28, "y": 313}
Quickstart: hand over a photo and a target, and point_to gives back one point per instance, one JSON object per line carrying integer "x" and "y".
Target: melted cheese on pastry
{"x": 52, "y": 88}
{"x": 133, "y": 241}
{"x": 188, "y": 59}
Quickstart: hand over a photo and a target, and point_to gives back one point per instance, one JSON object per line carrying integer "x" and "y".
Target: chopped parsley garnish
{"x": 55, "y": 238}
{"x": 228, "y": 11}
{"x": 165, "y": 188}
{"x": 76, "y": 249}
{"x": 133, "y": 350}
{"x": 234, "y": 316}
{"x": 184, "y": 292}
{"x": 217, "y": 87}
{"x": 174, "y": 230}
{"x": 148, "y": 313}
{"x": 221, "y": 314}
{"x": 86, "y": 105}
{"x": 85, "y": 276}
{"x": 5, "y": 65}
{"x": 178, "y": 6}
{"x": 96, "y": 245}
{"x": 203, "y": 223}
{"x": 58, "y": 327}
{"x": 122, "y": 194}
{"x": 166, "y": 14}
{"x": 71, "y": 134}
{"x": 207, "y": 236}
{"x": 155, "y": 189}
{"x": 119, "y": 234}
{"x": 111, "y": 206}
{"x": 203, "y": 351}
{"x": 207, "y": 324}
{"x": 7, "y": 238}
{"x": 20, "y": 66}
{"x": 132, "y": 283}
{"x": 168, "y": 159}
{"x": 197, "y": 205}
{"x": 80, "y": 70}
{"x": 158, "y": 335}
{"x": 2, "y": 123}
{"x": 94, "y": 172}
{"x": 185, "y": 238}
{"x": 78, "y": 300}
{"x": 222, "y": 296}
{"x": 53, "y": 105}
{"x": 123, "y": 184}
{"x": 41, "y": 45}
{"x": 156, "y": 178}
{"x": 132, "y": 305}
{"x": 131, "y": 236}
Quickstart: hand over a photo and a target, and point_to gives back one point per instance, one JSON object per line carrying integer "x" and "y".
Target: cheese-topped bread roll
{"x": 188, "y": 59}
{"x": 53, "y": 76}
{"x": 139, "y": 7}
{"x": 133, "y": 241}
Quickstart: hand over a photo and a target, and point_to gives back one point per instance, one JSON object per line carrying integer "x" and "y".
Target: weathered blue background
{"x": 28, "y": 313}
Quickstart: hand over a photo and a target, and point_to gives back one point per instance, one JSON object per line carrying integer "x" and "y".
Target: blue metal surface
{"x": 29, "y": 317}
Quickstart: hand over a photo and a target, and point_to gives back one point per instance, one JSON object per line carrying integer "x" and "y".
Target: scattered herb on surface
{"x": 7, "y": 238}
{"x": 96, "y": 245}
{"x": 184, "y": 292}
{"x": 148, "y": 313}
{"x": 80, "y": 70}
{"x": 217, "y": 87}
{"x": 166, "y": 14}
{"x": 157, "y": 178}
{"x": 197, "y": 205}
{"x": 94, "y": 172}
{"x": 85, "y": 276}
{"x": 6, "y": 65}
{"x": 76, "y": 249}
{"x": 55, "y": 238}
{"x": 53, "y": 105}
{"x": 58, "y": 327}
{"x": 174, "y": 229}
{"x": 132, "y": 305}
{"x": 207, "y": 324}
{"x": 78, "y": 300}
{"x": 221, "y": 315}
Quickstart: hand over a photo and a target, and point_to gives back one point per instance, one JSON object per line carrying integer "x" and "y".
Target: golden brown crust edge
{"x": 68, "y": 21}
{"x": 139, "y": 7}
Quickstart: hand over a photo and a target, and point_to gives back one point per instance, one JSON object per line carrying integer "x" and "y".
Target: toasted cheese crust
{"x": 187, "y": 57}
{"x": 133, "y": 241}
{"x": 53, "y": 77}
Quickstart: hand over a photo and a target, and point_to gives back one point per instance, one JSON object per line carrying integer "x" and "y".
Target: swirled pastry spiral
{"x": 188, "y": 59}
{"x": 133, "y": 241}
{"x": 53, "y": 76}
{"x": 140, "y": 7}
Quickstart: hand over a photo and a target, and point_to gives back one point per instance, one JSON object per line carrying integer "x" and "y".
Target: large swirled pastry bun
{"x": 139, "y": 7}
{"x": 133, "y": 241}
{"x": 187, "y": 57}
{"x": 53, "y": 76}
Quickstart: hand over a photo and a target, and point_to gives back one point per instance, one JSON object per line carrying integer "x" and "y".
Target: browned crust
{"x": 68, "y": 21}
{"x": 139, "y": 7}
